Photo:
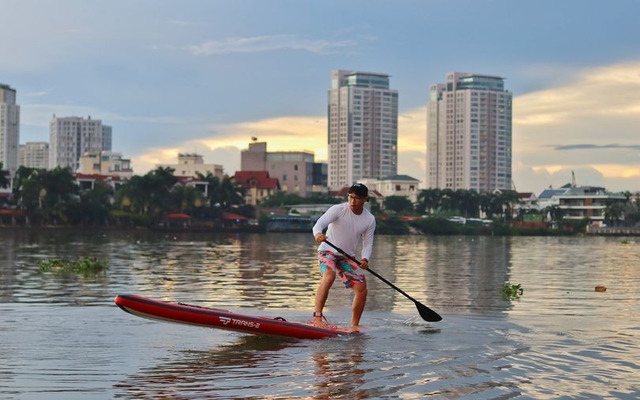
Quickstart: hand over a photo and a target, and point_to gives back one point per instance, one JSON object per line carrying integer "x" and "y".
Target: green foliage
{"x": 148, "y": 194}
{"x": 391, "y": 225}
{"x": 511, "y": 292}
{"x": 577, "y": 226}
{"x": 120, "y": 217}
{"x": 85, "y": 266}
{"x": 398, "y": 204}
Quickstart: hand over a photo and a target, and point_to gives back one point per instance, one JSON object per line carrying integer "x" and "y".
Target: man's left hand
{"x": 364, "y": 263}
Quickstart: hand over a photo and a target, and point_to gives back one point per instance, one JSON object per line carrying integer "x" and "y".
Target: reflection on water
{"x": 561, "y": 338}
{"x": 245, "y": 367}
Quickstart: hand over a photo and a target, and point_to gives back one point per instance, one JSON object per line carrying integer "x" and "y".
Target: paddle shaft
{"x": 372, "y": 271}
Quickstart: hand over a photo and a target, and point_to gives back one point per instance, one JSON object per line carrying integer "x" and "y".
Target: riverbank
{"x": 383, "y": 228}
{"x": 613, "y": 231}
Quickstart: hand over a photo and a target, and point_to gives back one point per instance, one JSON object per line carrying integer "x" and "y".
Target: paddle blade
{"x": 427, "y": 314}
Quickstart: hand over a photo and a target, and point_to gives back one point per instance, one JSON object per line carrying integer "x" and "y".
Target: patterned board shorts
{"x": 347, "y": 269}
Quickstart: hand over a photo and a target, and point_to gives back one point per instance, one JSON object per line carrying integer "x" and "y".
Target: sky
{"x": 204, "y": 76}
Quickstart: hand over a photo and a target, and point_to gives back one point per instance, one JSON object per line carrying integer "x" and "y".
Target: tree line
{"x": 53, "y": 197}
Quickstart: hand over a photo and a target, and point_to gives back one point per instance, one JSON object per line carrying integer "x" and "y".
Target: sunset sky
{"x": 206, "y": 76}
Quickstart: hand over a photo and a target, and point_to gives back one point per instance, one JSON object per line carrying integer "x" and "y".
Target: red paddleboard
{"x": 212, "y": 318}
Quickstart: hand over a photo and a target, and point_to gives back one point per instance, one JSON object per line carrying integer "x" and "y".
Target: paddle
{"x": 425, "y": 312}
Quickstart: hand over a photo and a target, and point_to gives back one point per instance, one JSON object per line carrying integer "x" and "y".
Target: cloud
{"x": 227, "y": 156}
{"x": 596, "y": 147}
{"x": 597, "y": 139}
{"x": 224, "y": 144}
{"x": 294, "y": 133}
{"x": 270, "y": 43}
{"x": 39, "y": 115}
{"x": 178, "y": 22}
{"x": 587, "y": 123}
{"x": 38, "y": 94}
{"x": 412, "y": 130}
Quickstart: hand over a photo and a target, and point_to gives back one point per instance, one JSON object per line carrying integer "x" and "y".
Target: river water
{"x": 61, "y": 336}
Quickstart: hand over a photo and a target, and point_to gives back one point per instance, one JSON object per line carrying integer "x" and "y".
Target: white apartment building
{"x": 34, "y": 155}
{"x": 363, "y": 127}
{"x": 469, "y": 133}
{"x": 9, "y": 129}
{"x": 71, "y": 137}
{"x": 192, "y": 164}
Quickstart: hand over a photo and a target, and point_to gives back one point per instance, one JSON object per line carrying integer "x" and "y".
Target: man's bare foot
{"x": 320, "y": 322}
{"x": 354, "y": 329}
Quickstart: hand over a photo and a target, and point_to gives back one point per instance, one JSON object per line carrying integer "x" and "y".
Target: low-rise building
{"x": 550, "y": 197}
{"x": 587, "y": 202}
{"x": 257, "y": 185}
{"x": 105, "y": 163}
{"x": 190, "y": 164}
{"x": 89, "y": 181}
{"x": 394, "y": 185}
{"x": 296, "y": 171}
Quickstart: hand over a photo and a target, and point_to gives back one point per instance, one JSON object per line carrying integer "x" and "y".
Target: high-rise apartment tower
{"x": 469, "y": 133}
{"x": 9, "y": 129}
{"x": 71, "y": 137}
{"x": 363, "y": 127}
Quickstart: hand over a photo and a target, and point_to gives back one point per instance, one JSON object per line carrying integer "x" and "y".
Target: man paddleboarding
{"x": 346, "y": 224}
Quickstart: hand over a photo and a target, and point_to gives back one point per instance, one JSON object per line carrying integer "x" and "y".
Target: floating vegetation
{"x": 85, "y": 265}
{"x": 511, "y": 292}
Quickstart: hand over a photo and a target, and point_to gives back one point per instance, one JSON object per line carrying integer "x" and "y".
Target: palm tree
{"x": 149, "y": 194}
{"x": 398, "y": 204}
{"x": 95, "y": 204}
{"x": 508, "y": 199}
{"x": 468, "y": 202}
{"x": 554, "y": 213}
{"x": 230, "y": 193}
{"x": 51, "y": 194}
{"x": 26, "y": 188}
{"x": 213, "y": 187}
{"x": 185, "y": 198}
{"x": 488, "y": 204}
{"x": 613, "y": 212}
{"x": 446, "y": 200}
{"x": 428, "y": 200}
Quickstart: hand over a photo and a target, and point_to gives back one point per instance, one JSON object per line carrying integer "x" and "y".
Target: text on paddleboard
{"x": 233, "y": 321}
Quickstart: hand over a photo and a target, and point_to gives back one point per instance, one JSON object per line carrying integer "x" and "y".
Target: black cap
{"x": 359, "y": 190}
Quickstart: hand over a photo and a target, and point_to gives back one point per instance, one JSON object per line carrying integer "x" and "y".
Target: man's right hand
{"x": 320, "y": 237}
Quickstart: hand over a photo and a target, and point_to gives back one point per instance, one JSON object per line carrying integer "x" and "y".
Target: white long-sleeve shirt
{"x": 345, "y": 229}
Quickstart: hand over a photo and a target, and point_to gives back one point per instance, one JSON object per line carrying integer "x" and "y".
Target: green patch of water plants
{"x": 511, "y": 292}
{"x": 85, "y": 265}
